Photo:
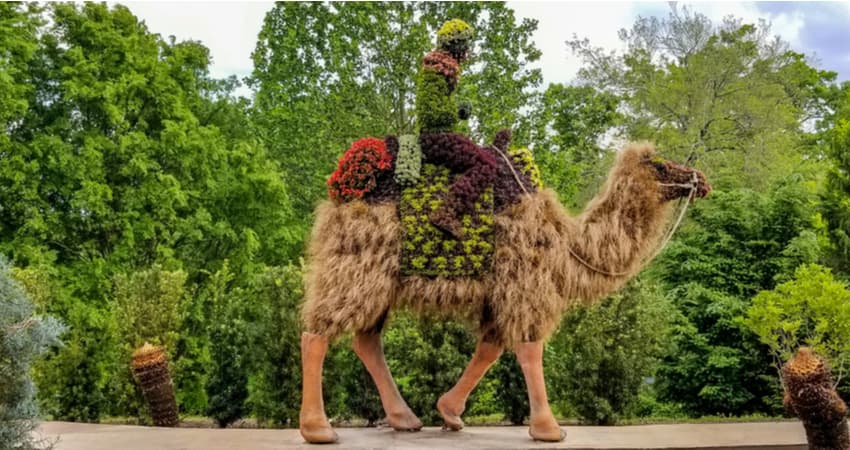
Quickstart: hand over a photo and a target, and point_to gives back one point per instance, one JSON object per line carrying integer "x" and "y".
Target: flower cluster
{"x": 443, "y": 63}
{"x": 409, "y": 160}
{"x": 523, "y": 158}
{"x": 476, "y": 166}
{"x": 359, "y": 168}
{"x": 507, "y": 190}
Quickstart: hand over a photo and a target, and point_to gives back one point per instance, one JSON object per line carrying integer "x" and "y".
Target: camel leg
{"x": 367, "y": 346}
{"x": 542, "y": 424}
{"x": 314, "y": 425}
{"x": 452, "y": 403}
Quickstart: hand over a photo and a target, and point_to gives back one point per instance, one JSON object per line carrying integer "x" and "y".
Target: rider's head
{"x": 455, "y": 37}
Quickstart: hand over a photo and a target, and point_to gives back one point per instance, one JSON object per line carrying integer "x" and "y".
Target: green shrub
{"x": 24, "y": 336}
{"x": 598, "y": 360}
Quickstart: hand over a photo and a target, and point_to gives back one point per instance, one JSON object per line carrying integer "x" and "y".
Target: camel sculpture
{"x": 543, "y": 262}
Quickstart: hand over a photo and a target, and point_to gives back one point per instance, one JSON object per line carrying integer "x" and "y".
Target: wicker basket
{"x": 150, "y": 368}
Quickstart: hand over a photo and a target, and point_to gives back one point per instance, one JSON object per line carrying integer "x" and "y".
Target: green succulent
{"x": 426, "y": 250}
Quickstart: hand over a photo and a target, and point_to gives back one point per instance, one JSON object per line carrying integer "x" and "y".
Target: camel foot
{"x": 404, "y": 421}
{"x": 318, "y": 431}
{"x": 548, "y": 431}
{"x": 451, "y": 419}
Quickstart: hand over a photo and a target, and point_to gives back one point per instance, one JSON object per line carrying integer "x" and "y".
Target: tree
{"x": 728, "y": 96}
{"x": 511, "y": 392}
{"x": 18, "y": 25}
{"x": 24, "y": 336}
{"x": 275, "y": 383}
{"x": 836, "y": 195}
{"x": 326, "y": 74}
{"x": 738, "y": 244}
{"x": 602, "y": 354}
{"x": 227, "y": 385}
{"x": 811, "y": 310}
{"x": 123, "y": 153}
{"x": 568, "y": 127}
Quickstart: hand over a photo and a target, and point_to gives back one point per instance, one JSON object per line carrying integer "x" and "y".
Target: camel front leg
{"x": 367, "y": 346}
{"x": 542, "y": 424}
{"x": 313, "y": 423}
{"x": 452, "y": 403}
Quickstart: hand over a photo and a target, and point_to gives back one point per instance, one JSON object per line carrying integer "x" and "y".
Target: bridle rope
{"x": 669, "y": 235}
{"x": 511, "y": 166}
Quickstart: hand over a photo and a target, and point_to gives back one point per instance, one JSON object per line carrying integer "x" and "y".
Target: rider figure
{"x": 437, "y": 114}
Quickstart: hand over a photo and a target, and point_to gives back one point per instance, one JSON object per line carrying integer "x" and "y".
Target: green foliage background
{"x": 140, "y": 199}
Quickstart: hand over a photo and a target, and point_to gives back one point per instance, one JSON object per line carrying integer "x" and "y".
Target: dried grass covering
{"x": 353, "y": 276}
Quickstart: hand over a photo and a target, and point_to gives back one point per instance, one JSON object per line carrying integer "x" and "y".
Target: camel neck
{"x": 621, "y": 226}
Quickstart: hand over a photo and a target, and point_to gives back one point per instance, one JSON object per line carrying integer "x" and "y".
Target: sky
{"x": 818, "y": 29}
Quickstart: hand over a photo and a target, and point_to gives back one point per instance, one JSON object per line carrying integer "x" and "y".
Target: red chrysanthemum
{"x": 359, "y": 168}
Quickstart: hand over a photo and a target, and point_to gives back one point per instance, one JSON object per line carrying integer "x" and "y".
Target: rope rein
{"x": 669, "y": 235}
{"x": 511, "y": 166}
{"x": 664, "y": 241}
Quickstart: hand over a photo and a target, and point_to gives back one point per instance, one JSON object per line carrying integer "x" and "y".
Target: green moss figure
{"x": 427, "y": 250}
{"x": 436, "y": 109}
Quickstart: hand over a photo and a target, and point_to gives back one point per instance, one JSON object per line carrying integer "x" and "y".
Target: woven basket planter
{"x": 150, "y": 368}
{"x": 810, "y": 394}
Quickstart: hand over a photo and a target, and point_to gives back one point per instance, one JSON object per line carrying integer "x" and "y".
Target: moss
{"x": 436, "y": 109}
{"x": 426, "y": 250}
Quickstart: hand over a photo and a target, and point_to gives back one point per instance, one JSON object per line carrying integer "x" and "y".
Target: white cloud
{"x": 228, "y": 29}
{"x": 601, "y": 21}
{"x": 787, "y": 26}
{"x": 557, "y": 22}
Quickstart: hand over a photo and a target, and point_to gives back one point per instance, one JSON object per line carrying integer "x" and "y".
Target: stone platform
{"x": 768, "y": 435}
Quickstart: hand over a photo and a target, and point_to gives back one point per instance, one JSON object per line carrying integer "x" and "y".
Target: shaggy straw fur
{"x": 353, "y": 279}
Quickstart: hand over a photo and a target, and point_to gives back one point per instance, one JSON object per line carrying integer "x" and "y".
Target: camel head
{"x": 674, "y": 180}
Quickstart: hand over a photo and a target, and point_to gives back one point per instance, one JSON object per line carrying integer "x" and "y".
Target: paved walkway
{"x": 773, "y": 435}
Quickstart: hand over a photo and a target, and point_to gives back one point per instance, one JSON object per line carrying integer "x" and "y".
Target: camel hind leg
{"x": 542, "y": 423}
{"x": 367, "y": 346}
{"x": 350, "y": 283}
{"x": 452, "y": 404}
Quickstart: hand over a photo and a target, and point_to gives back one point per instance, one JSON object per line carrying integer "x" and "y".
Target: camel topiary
{"x": 538, "y": 262}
